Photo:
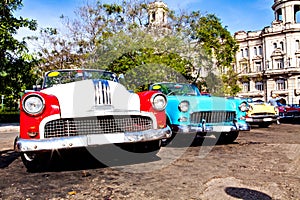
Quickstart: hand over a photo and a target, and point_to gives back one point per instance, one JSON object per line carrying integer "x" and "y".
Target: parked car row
{"x": 87, "y": 108}
{"x": 287, "y": 111}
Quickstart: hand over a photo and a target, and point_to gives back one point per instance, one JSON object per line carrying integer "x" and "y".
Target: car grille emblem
{"x": 102, "y": 92}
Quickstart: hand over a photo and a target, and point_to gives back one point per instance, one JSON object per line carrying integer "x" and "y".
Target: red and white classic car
{"x": 83, "y": 108}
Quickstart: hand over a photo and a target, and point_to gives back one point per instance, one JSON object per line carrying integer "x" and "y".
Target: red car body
{"x": 74, "y": 109}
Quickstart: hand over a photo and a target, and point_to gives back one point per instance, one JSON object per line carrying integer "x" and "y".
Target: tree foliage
{"x": 117, "y": 36}
{"x": 16, "y": 65}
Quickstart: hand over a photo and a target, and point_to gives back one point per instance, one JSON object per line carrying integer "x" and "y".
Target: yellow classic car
{"x": 261, "y": 113}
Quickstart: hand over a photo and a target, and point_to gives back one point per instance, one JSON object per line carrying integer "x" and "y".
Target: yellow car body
{"x": 262, "y": 114}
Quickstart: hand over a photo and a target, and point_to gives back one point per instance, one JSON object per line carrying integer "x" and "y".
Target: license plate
{"x": 221, "y": 128}
{"x": 267, "y": 119}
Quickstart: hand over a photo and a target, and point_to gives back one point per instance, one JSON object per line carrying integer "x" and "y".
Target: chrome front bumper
{"x": 27, "y": 145}
{"x": 262, "y": 119}
{"x": 244, "y": 127}
{"x": 204, "y": 129}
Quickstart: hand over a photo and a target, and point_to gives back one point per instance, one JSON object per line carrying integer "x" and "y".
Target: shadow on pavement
{"x": 7, "y": 157}
{"x": 83, "y": 159}
{"x": 246, "y": 194}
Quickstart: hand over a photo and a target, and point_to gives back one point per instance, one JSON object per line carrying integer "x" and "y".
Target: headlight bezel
{"x": 38, "y": 100}
{"x": 184, "y": 106}
{"x": 156, "y": 101}
{"x": 243, "y": 107}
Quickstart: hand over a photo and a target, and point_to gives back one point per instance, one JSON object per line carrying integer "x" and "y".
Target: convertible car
{"x": 261, "y": 113}
{"x": 288, "y": 111}
{"x": 189, "y": 112}
{"x": 87, "y": 108}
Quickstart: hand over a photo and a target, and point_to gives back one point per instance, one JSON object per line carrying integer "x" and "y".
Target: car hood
{"x": 91, "y": 97}
{"x": 202, "y": 103}
{"x": 261, "y": 108}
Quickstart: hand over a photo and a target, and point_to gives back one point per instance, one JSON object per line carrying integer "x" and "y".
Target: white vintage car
{"x": 84, "y": 108}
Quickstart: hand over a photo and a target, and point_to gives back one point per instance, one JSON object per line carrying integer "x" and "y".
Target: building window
{"x": 153, "y": 16}
{"x": 242, "y": 53}
{"x": 246, "y": 52}
{"x": 297, "y": 13}
{"x": 259, "y": 86}
{"x": 246, "y": 87}
{"x": 281, "y": 46}
{"x": 280, "y": 84}
{"x": 279, "y": 15}
{"x": 258, "y": 66}
{"x": 260, "y": 50}
{"x": 297, "y": 45}
{"x": 245, "y": 68}
{"x": 275, "y": 45}
{"x": 298, "y": 83}
{"x": 255, "y": 51}
{"x": 279, "y": 63}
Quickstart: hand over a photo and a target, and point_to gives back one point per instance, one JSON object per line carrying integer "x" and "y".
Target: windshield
{"x": 176, "y": 89}
{"x": 67, "y": 76}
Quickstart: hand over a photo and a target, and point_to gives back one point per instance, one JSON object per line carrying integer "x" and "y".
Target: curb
{"x": 9, "y": 127}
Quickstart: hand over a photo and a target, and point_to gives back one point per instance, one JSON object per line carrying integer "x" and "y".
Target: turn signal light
{"x": 32, "y": 132}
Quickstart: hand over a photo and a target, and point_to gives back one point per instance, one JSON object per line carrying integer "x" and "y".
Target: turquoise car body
{"x": 205, "y": 115}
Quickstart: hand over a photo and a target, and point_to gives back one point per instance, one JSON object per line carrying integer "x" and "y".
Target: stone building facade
{"x": 268, "y": 60}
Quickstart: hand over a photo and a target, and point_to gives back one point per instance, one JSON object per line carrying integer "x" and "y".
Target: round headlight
{"x": 159, "y": 102}
{"x": 33, "y": 104}
{"x": 243, "y": 107}
{"x": 184, "y": 106}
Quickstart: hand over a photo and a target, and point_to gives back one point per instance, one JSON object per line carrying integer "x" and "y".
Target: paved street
{"x": 262, "y": 164}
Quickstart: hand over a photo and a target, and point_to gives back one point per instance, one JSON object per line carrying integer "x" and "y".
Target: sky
{"x": 247, "y": 15}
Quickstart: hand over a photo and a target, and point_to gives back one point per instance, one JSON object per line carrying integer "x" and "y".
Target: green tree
{"x": 118, "y": 37}
{"x": 218, "y": 43}
{"x": 16, "y": 65}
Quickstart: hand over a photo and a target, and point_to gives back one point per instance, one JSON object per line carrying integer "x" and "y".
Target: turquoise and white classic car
{"x": 189, "y": 112}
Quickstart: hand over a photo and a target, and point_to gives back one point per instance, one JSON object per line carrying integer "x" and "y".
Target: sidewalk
{"x": 9, "y": 127}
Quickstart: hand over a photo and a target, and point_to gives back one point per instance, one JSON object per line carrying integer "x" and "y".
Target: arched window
{"x": 153, "y": 16}
{"x": 297, "y": 13}
{"x": 275, "y": 45}
{"x": 282, "y": 46}
{"x": 242, "y": 53}
{"x": 246, "y": 52}
{"x": 297, "y": 45}
{"x": 246, "y": 87}
{"x": 255, "y": 51}
{"x": 278, "y": 15}
{"x": 260, "y": 50}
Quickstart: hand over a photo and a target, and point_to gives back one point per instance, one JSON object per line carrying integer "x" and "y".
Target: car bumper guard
{"x": 27, "y": 145}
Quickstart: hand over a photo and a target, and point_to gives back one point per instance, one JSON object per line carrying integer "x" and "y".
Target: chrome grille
{"x": 263, "y": 114}
{"x": 212, "y": 116}
{"x": 97, "y": 125}
{"x": 102, "y": 92}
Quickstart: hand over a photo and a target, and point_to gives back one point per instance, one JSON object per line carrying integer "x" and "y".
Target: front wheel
{"x": 143, "y": 147}
{"x": 228, "y": 137}
{"x": 34, "y": 162}
{"x": 264, "y": 125}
